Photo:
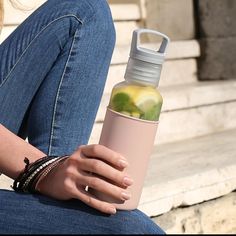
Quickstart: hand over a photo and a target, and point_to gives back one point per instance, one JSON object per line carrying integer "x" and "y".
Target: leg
{"x": 38, "y": 214}
{"x": 58, "y": 59}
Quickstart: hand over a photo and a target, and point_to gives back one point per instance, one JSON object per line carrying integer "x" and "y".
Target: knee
{"x": 91, "y": 13}
{"x": 102, "y": 18}
{"x": 94, "y": 14}
{"x": 101, "y": 11}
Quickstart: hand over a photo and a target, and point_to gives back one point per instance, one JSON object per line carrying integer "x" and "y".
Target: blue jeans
{"x": 53, "y": 69}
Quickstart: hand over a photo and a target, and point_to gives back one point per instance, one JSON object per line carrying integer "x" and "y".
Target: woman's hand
{"x": 94, "y": 166}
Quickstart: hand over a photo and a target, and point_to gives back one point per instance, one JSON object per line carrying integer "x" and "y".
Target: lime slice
{"x": 119, "y": 101}
{"x": 123, "y": 102}
{"x": 147, "y": 99}
{"x": 152, "y": 114}
{"x": 146, "y": 105}
{"x": 137, "y": 101}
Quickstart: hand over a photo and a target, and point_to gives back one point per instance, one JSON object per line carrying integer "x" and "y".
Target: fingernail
{"x": 127, "y": 181}
{"x": 123, "y": 163}
{"x": 112, "y": 210}
{"x": 125, "y": 196}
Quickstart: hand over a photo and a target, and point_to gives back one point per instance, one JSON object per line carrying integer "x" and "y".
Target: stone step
{"x": 5, "y": 182}
{"x": 125, "y": 10}
{"x": 6, "y": 31}
{"x": 121, "y": 10}
{"x": 15, "y": 15}
{"x": 188, "y": 111}
{"x": 185, "y": 173}
{"x": 124, "y": 31}
{"x": 174, "y": 72}
{"x": 217, "y": 216}
{"x": 189, "y": 172}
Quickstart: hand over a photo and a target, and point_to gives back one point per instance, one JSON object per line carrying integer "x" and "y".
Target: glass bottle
{"x": 133, "y": 112}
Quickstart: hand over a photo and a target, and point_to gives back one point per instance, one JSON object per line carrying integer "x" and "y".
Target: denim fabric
{"x": 53, "y": 68}
{"x": 52, "y": 73}
{"x": 34, "y": 214}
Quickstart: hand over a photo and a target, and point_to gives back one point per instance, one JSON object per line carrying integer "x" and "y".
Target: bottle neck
{"x": 142, "y": 72}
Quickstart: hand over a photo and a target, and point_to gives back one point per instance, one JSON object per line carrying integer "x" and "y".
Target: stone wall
{"x": 174, "y": 18}
{"x": 213, "y": 217}
{"x": 213, "y": 22}
{"x": 216, "y": 20}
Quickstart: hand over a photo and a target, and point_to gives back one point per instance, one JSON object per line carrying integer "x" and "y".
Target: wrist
{"x": 34, "y": 172}
{"x": 45, "y": 180}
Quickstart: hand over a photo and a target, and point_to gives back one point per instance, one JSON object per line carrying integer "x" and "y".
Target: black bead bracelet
{"x": 33, "y": 172}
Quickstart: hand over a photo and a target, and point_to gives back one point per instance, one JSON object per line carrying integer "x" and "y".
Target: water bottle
{"x": 133, "y": 112}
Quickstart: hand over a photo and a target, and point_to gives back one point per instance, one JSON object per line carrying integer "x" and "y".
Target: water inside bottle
{"x": 142, "y": 102}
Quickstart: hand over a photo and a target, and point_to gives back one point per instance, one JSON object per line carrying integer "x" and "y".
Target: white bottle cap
{"x": 144, "y": 64}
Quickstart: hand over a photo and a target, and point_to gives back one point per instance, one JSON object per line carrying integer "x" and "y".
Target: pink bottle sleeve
{"x": 134, "y": 139}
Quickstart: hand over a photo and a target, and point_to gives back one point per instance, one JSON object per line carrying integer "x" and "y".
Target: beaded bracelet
{"x": 46, "y": 171}
{"x": 29, "y": 169}
{"x": 25, "y": 182}
{"x": 27, "y": 186}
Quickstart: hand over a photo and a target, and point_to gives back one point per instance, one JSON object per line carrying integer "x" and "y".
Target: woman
{"x": 53, "y": 68}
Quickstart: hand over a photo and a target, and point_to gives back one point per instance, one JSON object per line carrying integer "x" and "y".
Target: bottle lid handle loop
{"x": 137, "y": 35}
{"x": 151, "y": 55}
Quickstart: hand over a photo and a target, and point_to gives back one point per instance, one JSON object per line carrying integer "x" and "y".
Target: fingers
{"x": 108, "y": 176}
{"x": 82, "y": 178}
{"x": 103, "y": 169}
{"x": 105, "y": 154}
{"x": 103, "y": 186}
{"x": 91, "y": 201}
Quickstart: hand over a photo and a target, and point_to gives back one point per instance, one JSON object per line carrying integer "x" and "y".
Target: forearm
{"x": 13, "y": 151}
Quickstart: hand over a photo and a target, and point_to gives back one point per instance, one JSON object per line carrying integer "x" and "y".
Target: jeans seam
{"x": 36, "y": 36}
{"x": 57, "y": 96}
